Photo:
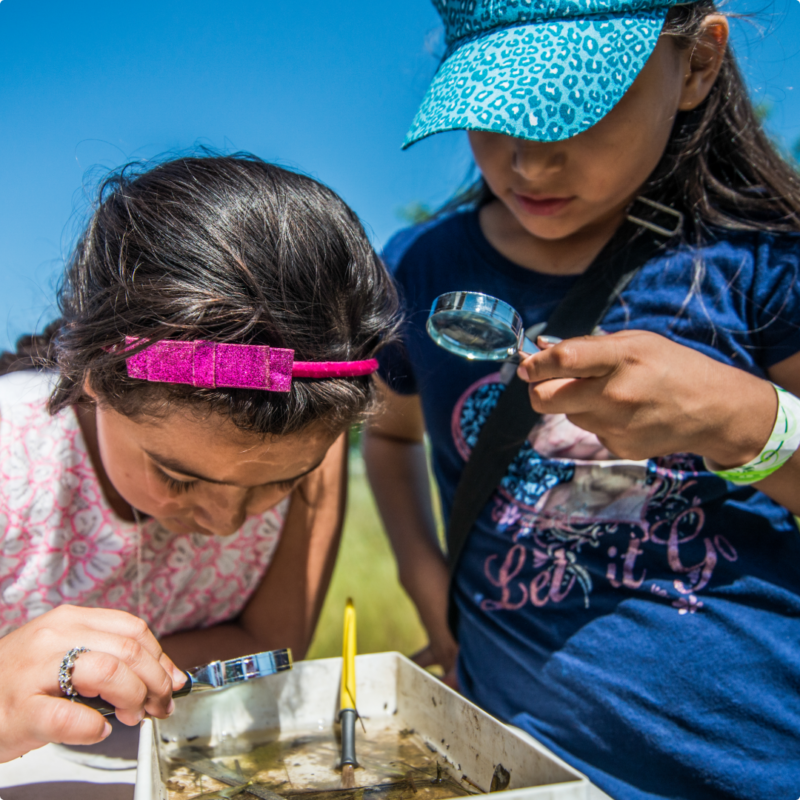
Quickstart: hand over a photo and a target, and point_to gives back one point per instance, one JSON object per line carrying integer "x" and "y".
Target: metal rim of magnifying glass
{"x": 499, "y": 312}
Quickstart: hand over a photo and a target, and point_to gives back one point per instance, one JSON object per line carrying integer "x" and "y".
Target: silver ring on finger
{"x": 65, "y": 671}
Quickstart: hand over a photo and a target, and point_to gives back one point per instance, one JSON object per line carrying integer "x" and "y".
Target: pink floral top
{"x": 62, "y": 542}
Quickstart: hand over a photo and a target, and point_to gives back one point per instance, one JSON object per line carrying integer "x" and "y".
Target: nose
{"x": 222, "y": 510}
{"x": 532, "y": 160}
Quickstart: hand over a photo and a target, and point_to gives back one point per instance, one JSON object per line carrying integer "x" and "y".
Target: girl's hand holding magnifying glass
{"x": 644, "y": 395}
{"x": 640, "y": 393}
{"x": 119, "y": 659}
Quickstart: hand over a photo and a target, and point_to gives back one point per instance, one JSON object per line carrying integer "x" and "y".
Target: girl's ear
{"x": 704, "y": 61}
{"x": 88, "y": 389}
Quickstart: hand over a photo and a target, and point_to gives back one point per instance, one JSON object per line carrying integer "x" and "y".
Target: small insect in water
{"x": 220, "y": 794}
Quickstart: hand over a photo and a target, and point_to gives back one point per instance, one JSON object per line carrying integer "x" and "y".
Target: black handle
{"x": 187, "y": 687}
{"x": 102, "y": 706}
{"x": 348, "y": 720}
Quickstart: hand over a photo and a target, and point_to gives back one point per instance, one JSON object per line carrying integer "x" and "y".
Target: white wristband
{"x": 782, "y": 444}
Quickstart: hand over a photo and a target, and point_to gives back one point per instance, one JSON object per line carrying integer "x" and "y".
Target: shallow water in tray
{"x": 394, "y": 764}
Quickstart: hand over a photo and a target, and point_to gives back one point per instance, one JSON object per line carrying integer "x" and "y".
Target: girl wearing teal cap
{"x": 628, "y": 594}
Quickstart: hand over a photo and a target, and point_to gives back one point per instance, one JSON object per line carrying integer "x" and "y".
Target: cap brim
{"x": 546, "y": 81}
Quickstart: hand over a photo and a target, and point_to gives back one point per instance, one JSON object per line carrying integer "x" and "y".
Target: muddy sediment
{"x": 394, "y": 764}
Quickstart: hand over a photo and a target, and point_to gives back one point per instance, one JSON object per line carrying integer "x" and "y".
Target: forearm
{"x": 749, "y": 421}
{"x": 783, "y": 486}
{"x": 398, "y": 474}
{"x": 760, "y": 409}
{"x": 749, "y": 414}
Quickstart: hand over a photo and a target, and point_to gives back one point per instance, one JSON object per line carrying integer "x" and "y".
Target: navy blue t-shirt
{"x": 641, "y": 618}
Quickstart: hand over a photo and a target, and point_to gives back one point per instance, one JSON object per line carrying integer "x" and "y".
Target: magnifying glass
{"x": 478, "y": 326}
{"x": 217, "y": 675}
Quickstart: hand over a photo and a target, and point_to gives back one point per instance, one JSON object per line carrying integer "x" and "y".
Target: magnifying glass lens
{"x": 475, "y": 326}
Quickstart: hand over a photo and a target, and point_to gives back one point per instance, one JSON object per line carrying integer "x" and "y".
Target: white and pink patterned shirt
{"x": 63, "y": 543}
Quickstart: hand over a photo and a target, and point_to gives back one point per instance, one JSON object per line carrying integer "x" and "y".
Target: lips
{"x": 542, "y": 205}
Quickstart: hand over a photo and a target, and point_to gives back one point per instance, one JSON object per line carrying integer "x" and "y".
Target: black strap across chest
{"x": 511, "y": 420}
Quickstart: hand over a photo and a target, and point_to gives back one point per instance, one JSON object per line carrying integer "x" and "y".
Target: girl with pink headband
{"x": 172, "y": 482}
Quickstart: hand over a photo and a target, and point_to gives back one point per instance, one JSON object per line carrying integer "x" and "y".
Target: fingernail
{"x": 178, "y": 676}
{"x": 170, "y": 707}
{"x": 107, "y": 730}
{"x": 550, "y": 339}
{"x": 522, "y": 373}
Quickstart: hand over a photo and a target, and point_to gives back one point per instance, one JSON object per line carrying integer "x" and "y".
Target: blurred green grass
{"x": 365, "y": 570}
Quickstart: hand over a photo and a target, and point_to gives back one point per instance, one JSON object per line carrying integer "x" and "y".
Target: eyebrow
{"x": 176, "y": 466}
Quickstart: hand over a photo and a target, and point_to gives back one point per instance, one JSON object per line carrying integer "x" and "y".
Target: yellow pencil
{"x": 347, "y": 712}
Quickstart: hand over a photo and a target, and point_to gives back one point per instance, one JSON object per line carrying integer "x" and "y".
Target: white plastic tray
{"x": 306, "y": 698}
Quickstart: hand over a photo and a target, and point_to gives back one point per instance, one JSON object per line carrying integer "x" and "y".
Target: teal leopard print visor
{"x": 543, "y": 70}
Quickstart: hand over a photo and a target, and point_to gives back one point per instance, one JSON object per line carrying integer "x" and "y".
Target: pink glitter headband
{"x": 235, "y": 366}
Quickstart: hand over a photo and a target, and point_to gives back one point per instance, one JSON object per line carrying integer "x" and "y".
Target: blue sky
{"x": 328, "y": 87}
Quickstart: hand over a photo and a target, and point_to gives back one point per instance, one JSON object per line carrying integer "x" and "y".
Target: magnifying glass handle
{"x": 101, "y": 706}
{"x": 528, "y": 348}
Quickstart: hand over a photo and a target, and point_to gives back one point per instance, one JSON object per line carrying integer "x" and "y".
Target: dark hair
{"x": 719, "y": 168}
{"x": 228, "y": 249}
